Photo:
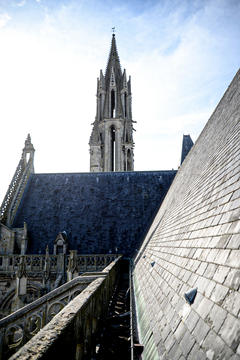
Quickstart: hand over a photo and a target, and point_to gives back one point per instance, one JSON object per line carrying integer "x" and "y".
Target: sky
{"x": 181, "y": 55}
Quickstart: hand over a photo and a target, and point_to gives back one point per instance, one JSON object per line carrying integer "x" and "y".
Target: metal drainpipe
{"x": 136, "y": 347}
{"x": 131, "y": 309}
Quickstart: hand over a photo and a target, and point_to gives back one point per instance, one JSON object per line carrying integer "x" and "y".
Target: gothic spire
{"x": 113, "y": 61}
{"x": 111, "y": 141}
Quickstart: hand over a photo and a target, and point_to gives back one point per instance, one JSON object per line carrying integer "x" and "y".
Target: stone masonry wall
{"x": 194, "y": 242}
{"x": 99, "y": 211}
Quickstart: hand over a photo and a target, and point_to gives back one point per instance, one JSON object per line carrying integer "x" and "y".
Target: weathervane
{"x": 113, "y": 29}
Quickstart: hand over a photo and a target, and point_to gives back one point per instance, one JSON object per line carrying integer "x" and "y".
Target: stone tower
{"x": 111, "y": 142}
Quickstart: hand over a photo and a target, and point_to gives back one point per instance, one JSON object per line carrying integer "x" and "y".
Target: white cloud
{"x": 4, "y": 19}
{"x": 21, "y": 3}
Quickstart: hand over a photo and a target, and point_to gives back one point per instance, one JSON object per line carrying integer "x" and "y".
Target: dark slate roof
{"x": 98, "y": 211}
{"x": 187, "y": 144}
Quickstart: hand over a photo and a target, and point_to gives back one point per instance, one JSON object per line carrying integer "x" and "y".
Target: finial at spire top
{"x": 28, "y": 140}
{"x": 28, "y": 143}
{"x": 113, "y": 31}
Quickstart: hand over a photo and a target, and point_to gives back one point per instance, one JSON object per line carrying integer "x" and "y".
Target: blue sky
{"x": 181, "y": 56}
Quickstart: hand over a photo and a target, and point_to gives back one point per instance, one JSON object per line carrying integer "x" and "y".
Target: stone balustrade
{"x": 35, "y": 263}
{"x": 88, "y": 297}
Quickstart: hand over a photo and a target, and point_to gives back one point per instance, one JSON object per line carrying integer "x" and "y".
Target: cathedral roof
{"x": 98, "y": 211}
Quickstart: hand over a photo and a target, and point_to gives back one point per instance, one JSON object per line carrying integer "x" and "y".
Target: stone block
{"x": 202, "y": 268}
{"x": 180, "y": 331}
{"x": 234, "y": 215}
{"x": 169, "y": 342}
{"x": 225, "y": 229}
{"x": 196, "y": 353}
{"x": 186, "y": 276}
{"x": 221, "y": 274}
{"x": 219, "y": 293}
{"x": 215, "y": 348}
{"x": 210, "y": 286}
{"x": 212, "y": 255}
{"x": 230, "y": 332}
{"x": 234, "y": 357}
{"x": 175, "y": 322}
{"x": 175, "y": 352}
{"x": 235, "y": 227}
{"x": 236, "y": 194}
{"x": 204, "y": 308}
{"x": 234, "y": 242}
{"x": 202, "y": 284}
{"x": 192, "y": 281}
{"x": 235, "y": 204}
{"x": 187, "y": 343}
{"x": 192, "y": 320}
{"x": 216, "y": 317}
{"x": 232, "y": 302}
{"x": 221, "y": 259}
{"x": 233, "y": 259}
{"x": 233, "y": 279}
{"x": 195, "y": 265}
{"x": 223, "y": 241}
{"x": 200, "y": 331}
{"x": 238, "y": 349}
{"x": 165, "y": 331}
{"x": 216, "y": 220}
{"x": 210, "y": 271}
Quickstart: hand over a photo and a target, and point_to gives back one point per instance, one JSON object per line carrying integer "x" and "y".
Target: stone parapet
{"x": 70, "y": 334}
{"x": 43, "y": 273}
{"x": 19, "y": 327}
{"x": 35, "y": 263}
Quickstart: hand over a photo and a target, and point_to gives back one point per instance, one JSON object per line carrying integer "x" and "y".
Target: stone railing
{"x": 35, "y": 263}
{"x": 11, "y": 191}
{"x": 13, "y": 206}
{"x": 88, "y": 298}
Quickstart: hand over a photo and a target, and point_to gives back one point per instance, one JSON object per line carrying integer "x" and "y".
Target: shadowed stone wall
{"x": 194, "y": 242}
{"x": 99, "y": 211}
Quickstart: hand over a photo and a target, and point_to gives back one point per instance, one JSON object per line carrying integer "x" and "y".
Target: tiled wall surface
{"x": 194, "y": 242}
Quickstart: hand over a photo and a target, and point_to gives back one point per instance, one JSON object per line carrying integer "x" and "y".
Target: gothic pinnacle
{"x": 113, "y": 60}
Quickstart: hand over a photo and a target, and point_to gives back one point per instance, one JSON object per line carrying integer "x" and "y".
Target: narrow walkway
{"x": 114, "y": 340}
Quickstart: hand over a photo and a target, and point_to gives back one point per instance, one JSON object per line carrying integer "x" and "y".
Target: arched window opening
{"x": 113, "y": 148}
{"x": 27, "y": 157}
{"x": 60, "y": 244}
{"x": 113, "y": 105}
{"x": 129, "y": 163}
{"x": 125, "y": 104}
